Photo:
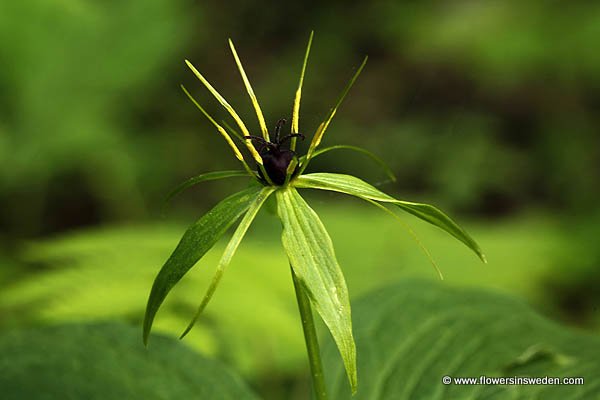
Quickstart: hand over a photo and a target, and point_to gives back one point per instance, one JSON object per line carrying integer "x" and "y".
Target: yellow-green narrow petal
{"x": 221, "y": 130}
{"x": 229, "y": 109}
{"x": 325, "y": 124}
{"x": 296, "y": 109}
{"x": 259, "y": 114}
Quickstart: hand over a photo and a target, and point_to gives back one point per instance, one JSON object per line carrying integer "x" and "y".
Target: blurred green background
{"x": 487, "y": 109}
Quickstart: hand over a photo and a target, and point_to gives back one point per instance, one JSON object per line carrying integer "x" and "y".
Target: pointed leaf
{"x": 356, "y": 187}
{"x": 209, "y": 176}
{"x": 259, "y": 114}
{"x": 229, "y": 109}
{"x": 230, "y": 250}
{"x": 196, "y": 241}
{"x": 296, "y": 109}
{"x": 376, "y": 159}
{"x": 310, "y": 251}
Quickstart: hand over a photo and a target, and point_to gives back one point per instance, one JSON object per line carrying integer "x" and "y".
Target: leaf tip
{"x": 184, "y": 334}
{"x": 192, "y": 68}
{"x": 145, "y": 336}
{"x": 353, "y": 384}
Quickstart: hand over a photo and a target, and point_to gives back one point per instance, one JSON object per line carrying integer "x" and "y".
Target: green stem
{"x": 310, "y": 337}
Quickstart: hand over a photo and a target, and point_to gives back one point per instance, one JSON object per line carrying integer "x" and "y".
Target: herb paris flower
{"x": 318, "y": 279}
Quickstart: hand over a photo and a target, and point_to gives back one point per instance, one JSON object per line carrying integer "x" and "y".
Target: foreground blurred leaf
{"x": 412, "y": 334}
{"x": 356, "y": 187}
{"x": 107, "y": 361}
{"x": 310, "y": 251}
{"x": 196, "y": 241}
{"x": 104, "y": 273}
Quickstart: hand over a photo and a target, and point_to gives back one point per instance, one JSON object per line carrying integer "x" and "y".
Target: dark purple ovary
{"x": 276, "y": 163}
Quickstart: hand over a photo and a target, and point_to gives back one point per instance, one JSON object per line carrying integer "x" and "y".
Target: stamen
{"x": 293, "y": 135}
{"x": 257, "y": 138}
{"x": 278, "y": 127}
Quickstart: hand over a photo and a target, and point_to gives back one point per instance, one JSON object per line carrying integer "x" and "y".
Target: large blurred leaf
{"x": 106, "y": 362}
{"x": 196, "y": 241}
{"x": 412, "y": 334}
{"x": 105, "y": 273}
{"x": 311, "y": 254}
{"x": 356, "y": 187}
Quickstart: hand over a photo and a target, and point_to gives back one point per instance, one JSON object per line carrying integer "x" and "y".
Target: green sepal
{"x": 230, "y": 250}
{"x": 386, "y": 169}
{"x": 197, "y": 240}
{"x": 356, "y": 187}
{"x": 312, "y": 257}
{"x": 209, "y": 176}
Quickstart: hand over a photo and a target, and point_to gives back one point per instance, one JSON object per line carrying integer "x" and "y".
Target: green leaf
{"x": 413, "y": 333}
{"x": 310, "y": 251}
{"x": 232, "y": 246}
{"x": 375, "y": 158}
{"x": 106, "y": 361}
{"x": 209, "y": 176}
{"x": 196, "y": 241}
{"x": 356, "y": 187}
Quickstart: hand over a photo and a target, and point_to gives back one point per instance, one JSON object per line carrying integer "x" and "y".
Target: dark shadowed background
{"x": 488, "y": 110}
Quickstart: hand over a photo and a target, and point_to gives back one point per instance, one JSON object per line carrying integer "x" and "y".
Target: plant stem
{"x": 310, "y": 337}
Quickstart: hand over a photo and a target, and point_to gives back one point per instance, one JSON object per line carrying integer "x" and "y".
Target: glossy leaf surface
{"x": 197, "y": 240}
{"x": 356, "y": 187}
{"x": 232, "y": 246}
{"x": 311, "y": 254}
